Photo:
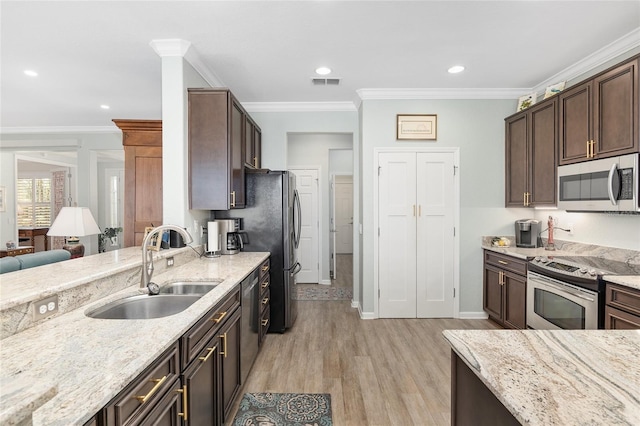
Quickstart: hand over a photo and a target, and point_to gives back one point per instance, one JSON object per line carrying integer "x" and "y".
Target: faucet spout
{"x": 147, "y": 255}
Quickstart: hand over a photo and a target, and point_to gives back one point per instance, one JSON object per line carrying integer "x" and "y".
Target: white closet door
{"x": 397, "y": 241}
{"x": 435, "y": 241}
{"x": 308, "y": 251}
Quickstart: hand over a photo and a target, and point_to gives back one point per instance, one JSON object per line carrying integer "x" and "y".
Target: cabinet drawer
{"x": 135, "y": 401}
{"x": 264, "y": 285}
{"x": 615, "y": 319}
{"x": 264, "y": 300}
{"x": 194, "y": 340}
{"x": 265, "y": 319}
{"x": 264, "y": 268}
{"x": 505, "y": 262}
{"x": 624, "y": 298}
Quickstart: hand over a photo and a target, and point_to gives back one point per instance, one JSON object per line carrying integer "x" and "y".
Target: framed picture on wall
{"x": 416, "y": 126}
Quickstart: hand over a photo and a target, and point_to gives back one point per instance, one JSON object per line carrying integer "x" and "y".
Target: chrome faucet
{"x": 147, "y": 256}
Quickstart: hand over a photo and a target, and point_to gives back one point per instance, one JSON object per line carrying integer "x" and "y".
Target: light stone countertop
{"x": 559, "y": 377}
{"x": 632, "y": 281}
{"x": 80, "y": 364}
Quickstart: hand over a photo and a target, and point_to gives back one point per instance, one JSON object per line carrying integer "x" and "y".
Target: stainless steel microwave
{"x": 608, "y": 184}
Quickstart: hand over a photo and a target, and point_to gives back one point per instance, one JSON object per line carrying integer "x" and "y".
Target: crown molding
{"x": 170, "y": 47}
{"x": 600, "y": 57}
{"x": 58, "y": 129}
{"x": 407, "y": 94}
{"x": 299, "y": 106}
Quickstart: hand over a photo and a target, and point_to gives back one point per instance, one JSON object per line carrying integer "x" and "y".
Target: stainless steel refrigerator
{"x": 271, "y": 222}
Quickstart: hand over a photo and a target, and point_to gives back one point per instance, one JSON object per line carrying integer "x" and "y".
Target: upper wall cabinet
{"x": 599, "y": 117}
{"x": 531, "y": 157}
{"x": 252, "y": 143}
{"x": 142, "y": 140}
{"x": 216, "y": 150}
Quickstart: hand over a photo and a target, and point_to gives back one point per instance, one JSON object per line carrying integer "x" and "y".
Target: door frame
{"x": 318, "y": 170}
{"x": 456, "y": 220}
{"x": 332, "y": 225}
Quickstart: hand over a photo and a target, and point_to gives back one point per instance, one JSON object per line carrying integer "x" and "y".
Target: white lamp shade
{"x": 74, "y": 222}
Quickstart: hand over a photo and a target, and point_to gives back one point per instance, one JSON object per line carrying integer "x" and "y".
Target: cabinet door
{"x": 542, "y": 154}
{"x": 237, "y": 155}
{"x": 615, "y": 97}
{"x": 230, "y": 362}
{"x": 201, "y": 380}
{"x": 249, "y": 160}
{"x": 515, "y": 296}
{"x": 516, "y": 161}
{"x": 615, "y": 319}
{"x": 257, "y": 147}
{"x": 167, "y": 412}
{"x": 575, "y": 123}
{"x": 492, "y": 292}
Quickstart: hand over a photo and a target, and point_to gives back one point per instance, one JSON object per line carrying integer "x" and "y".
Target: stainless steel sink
{"x": 190, "y": 287}
{"x": 145, "y": 307}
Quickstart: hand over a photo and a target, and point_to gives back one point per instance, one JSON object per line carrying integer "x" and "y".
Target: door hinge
{"x": 378, "y": 231}
{"x": 454, "y": 293}
{"x": 378, "y": 293}
{"x": 379, "y": 167}
{"x": 454, "y": 231}
{"x": 455, "y": 170}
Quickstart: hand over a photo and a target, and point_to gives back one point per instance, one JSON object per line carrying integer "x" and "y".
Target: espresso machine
{"x": 230, "y": 236}
{"x": 528, "y": 233}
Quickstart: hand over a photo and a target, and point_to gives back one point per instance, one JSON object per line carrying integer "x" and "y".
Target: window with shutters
{"x": 34, "y": 202}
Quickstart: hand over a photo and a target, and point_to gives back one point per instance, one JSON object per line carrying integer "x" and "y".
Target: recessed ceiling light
{"x": 105, "y": 106}
{"x": 323, "y": 71}
{"x": 30, "y": 73}
{"x": 456, "y": 69}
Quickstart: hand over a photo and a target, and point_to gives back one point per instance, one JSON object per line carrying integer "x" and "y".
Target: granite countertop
{"x": 73, "y": 365}
{"x": 557, "y": 377}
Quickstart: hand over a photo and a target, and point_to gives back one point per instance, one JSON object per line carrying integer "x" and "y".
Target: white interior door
{"x": 397, "y": 235}
{"x": 434, "y": 228}
{"x": 344, "y": 214}
{"x": 333, "y": 264}
{"x": 308, "y": 252}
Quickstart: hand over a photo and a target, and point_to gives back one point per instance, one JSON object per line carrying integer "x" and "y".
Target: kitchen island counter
{"x": 559, "y": 377}
{"x": 63, "y": 370}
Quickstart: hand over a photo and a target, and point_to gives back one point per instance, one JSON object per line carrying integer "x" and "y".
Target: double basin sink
{"x": 173, "y": 298}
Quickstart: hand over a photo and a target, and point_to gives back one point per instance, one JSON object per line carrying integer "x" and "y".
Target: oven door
{"x": 553, "y": 304}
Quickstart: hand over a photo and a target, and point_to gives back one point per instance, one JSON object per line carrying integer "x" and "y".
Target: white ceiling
{"x": 89, "y": 53}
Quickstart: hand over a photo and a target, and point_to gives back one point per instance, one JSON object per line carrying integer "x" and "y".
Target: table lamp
{"x": 71, "y": 223}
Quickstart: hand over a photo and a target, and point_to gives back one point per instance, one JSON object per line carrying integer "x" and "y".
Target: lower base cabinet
{"x": 622, "y": 309}
{"x": 505, "y": 289}
{"x": 195, "y": 382}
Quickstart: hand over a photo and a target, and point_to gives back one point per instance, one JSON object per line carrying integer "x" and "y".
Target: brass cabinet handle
{"x": 222, "y": 315}
{"x": 206, "y": 358}
{"x": 265, "y": 268}
{"x": 419, "y": 209}
{"x": 265, "y": 284}
{"x": 265, "y": 300}
{"x": 265, "y": 322}
{"x": 183, "y": 391}
{"x": 224, "y": 344}
{"x": 524, "y": 199}
{"x": 503, "y": 262}
{"x": 414, "y": 210}
{"x": 144, "y": 398}
{"x": 233, "y": 198}
{"x": 593, "y": 148}
{"x": 528, "y": 199}
{"x": 588, "y": 149}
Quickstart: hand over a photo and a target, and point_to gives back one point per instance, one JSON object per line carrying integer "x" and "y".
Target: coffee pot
{"x": 229, "y": 230}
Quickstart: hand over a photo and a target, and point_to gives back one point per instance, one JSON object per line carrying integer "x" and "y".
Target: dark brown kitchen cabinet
{"x": 253, "y": 141}
{"x": 229, "y": 335}
{"x": 265, "y": 300}
{"x": 599, "y": 117}
{"x": 216, "y": 150}
{"x": 622, "y": 309}
{"x": 143, "y": 398}
{"x": 505, "y": 289}
{"x": 142, "y": 141}
{"x": 531, "y": 138}
{"x": 201, "y": 383}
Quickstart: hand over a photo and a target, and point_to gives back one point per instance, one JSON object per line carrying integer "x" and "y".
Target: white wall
{"x": 312, "y": 150}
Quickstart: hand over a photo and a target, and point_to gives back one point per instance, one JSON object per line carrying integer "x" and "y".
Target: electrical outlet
{"x": 45, "y": 307}
{"x": 170, "y": 261}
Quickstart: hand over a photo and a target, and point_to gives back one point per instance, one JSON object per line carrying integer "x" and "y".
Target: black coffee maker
{"x": 231, "y": 236}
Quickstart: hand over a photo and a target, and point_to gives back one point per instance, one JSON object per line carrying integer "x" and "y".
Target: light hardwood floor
{"x": 387, "y": 372}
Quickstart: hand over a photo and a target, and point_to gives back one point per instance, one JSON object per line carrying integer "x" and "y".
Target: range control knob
{"x": 583, "y": 270}
{"x": 592, "y": 272}
{"x": 538, "y": 259}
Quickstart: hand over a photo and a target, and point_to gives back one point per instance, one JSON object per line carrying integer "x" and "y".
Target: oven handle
{"x": 557, "y": 285}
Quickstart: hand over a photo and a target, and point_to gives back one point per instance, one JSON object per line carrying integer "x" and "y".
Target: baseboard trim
{"x": 473, "y": 315}
{"x": 325, "y": 282}
{"x": 365, "y": 315}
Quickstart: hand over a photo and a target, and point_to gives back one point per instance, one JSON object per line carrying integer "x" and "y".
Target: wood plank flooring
{"x": 379, "y": 372}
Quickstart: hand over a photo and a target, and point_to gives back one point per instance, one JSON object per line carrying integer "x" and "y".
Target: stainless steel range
{"x": 567, "y": 292}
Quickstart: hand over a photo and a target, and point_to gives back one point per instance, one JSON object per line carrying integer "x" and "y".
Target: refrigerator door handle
{"x": 297, "y": 219}
{"x": 296, "y": 268}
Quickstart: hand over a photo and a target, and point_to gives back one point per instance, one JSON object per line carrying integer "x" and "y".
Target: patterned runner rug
{"x": 319, "y": 292}
{"x": 284, "y": 409}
